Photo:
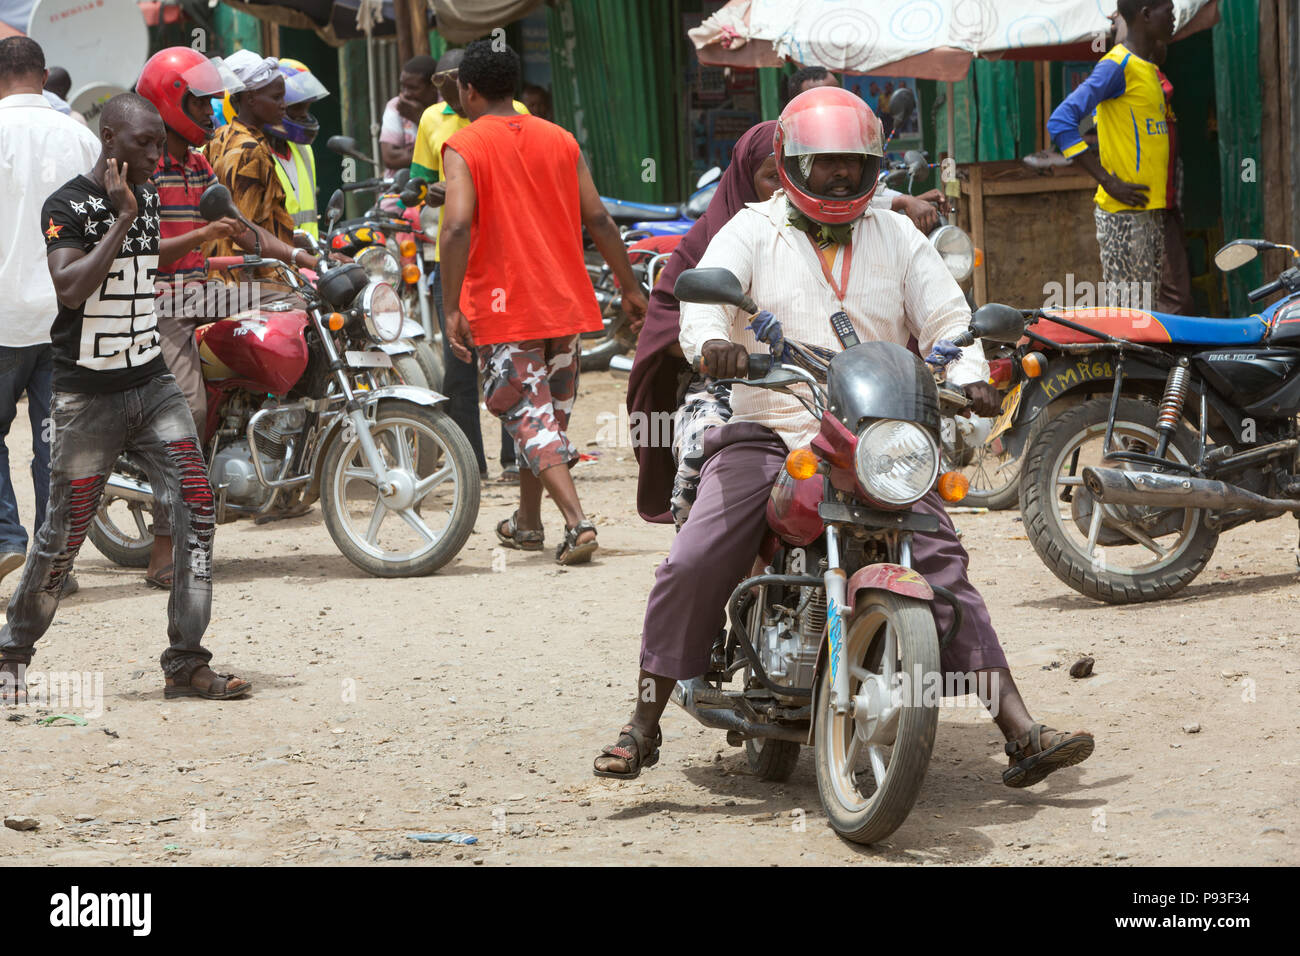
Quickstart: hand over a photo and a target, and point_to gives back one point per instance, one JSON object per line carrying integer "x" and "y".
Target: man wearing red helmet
{"x": 815, "y": 248}
{"x": 180, "y": 82}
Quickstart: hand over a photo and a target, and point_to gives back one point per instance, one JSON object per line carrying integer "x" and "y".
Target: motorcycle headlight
{"x": 896, "y": 462}
{"x": 380, "y": 265}
{"x": 382, "y": 311}
{"x": 957, "y": 250}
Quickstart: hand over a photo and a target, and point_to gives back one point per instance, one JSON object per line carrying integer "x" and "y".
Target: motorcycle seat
{"x": 621, "y": 210}
{"x": 1139, "y": 325}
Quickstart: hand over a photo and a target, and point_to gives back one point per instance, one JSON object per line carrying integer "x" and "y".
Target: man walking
{"x": 438, "y": 124}
{"x": 1131, "y": 163}
{"x": 113, "y": 394}
{"x": 39, "y": 149}
{"x": 516, "y": 283}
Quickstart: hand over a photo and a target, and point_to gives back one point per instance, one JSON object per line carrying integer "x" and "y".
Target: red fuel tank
{"x": 267, "y": 348}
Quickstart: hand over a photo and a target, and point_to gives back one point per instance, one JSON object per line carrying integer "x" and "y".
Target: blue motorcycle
{"x": 650, "y": 219}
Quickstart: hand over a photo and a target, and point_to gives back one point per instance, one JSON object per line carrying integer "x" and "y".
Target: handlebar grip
{"x": 965, "y": 339}
{"x": 760, "y": 363}
{"x": 1254, "y": 295}
{"x": 225, "y": 262}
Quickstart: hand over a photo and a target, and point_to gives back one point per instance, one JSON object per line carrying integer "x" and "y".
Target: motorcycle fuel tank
{"x": 1247, "y": 375}
{"x": 267, "y": 348}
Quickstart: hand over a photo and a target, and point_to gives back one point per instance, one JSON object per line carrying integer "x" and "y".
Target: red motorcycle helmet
{"x": 172, "y": 73}
{"x": 827, "y": 119}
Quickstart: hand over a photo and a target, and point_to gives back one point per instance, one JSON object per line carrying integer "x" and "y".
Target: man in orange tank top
{"x": 515, "y": 282}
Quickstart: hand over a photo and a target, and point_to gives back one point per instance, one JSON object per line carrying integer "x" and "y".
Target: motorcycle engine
{"x": 233, "y": 467}
{"x": 790, "y": 637}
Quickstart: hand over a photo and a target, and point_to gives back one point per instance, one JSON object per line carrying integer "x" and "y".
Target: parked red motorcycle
{"x": 298, "y": 409}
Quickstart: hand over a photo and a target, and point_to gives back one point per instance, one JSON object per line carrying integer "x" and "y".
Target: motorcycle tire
{"x": 430, "y": 358}
{"x": 1003, "y": 490}
{"x": 854, "y": 816}
{"x": 1041, "y": 508}
{"x": 410, "y": 371}
{"x": 122, "y": 549}
{"x": 391, "y": 416}
{"x": 772, "y": 760}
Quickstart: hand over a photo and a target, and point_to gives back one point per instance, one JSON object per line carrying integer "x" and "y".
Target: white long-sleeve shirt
{"x": 898, "y": 286}
{"x": 40, "y": 150}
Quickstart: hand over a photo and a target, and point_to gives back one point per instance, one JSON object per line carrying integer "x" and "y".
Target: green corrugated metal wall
{"x": 1240, "y": 113}
{"x": 615, "y": 68}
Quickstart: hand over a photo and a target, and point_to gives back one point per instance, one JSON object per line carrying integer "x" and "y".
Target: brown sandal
{"x": 1042, "y": 751}
{"x": 512, "y": 536}
{"x": 635, "y": 749}
{"x": 571, "y": 551}
{"x": 217, "y": 686}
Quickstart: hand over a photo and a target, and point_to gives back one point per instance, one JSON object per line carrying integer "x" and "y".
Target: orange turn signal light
{"x": 407, "y": 248}
{"x": 1034, "y": 364}
{"x": 336, "y": 321}
{"x": 953, "y": 486}
{"x": 801, "y": 463}
{"x": 410, "y": 273}
{"x": 979, "y": 257}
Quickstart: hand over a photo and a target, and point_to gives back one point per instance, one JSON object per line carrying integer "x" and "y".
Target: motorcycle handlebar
{"x": 760, "y": 363}
{"x": 965, "y": 339}
{"x": 225, "y": 262}
{"x": 365, "y": 184}
{"x": 1254, "y": 295}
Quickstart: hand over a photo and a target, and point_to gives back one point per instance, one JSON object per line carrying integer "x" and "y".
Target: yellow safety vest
{"x": 301, "y": 203}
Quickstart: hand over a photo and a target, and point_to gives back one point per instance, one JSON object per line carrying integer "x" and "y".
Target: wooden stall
{"x": 1033, "y": 226}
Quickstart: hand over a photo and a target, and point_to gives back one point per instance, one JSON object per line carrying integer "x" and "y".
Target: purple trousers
{"x": 715, "y": 550}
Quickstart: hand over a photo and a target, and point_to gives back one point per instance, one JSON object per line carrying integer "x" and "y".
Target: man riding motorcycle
{"x": 816, "y": 248}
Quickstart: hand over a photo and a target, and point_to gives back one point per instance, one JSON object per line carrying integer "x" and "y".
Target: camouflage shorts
{"x": 700, "y": 411}
{"x": 531, "y": 387}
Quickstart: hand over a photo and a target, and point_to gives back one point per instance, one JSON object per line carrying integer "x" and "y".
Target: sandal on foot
{"x": 1042, "y": 751}
{"x": 509, "y": 475}
{"x": 210, "y": 686}
{"x": 570, "y": 550}
{"x": 512, "y": 536}
{"x": 163, "y": 579}
{"x": 635, "y": 749}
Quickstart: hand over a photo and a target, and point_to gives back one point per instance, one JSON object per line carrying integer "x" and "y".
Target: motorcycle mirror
{"x": 897, "y": 180}
{"x": 711, "y": 175}
{"x": 712, "y": 287}
{"x": 1239, "y": 252}
{"x": 347, "y": 146}
{"x": 216, "y": 203}
{"x": 429, "y": 222}
{"x": 401, "y": 179}
{"x": 918, "y": 164}
{"x": 335, "y": 207}
{"x": 998, "y": 323}
{"x": 901, "y": 104}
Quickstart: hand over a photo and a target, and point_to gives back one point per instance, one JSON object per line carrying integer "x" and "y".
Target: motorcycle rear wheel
{"x": 891, "y": 647}
{"x": 772, "y": 760}
{"x": 112, "y": 527}
{"x": 423, "y": 445}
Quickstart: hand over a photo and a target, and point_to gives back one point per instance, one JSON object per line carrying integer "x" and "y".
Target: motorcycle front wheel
{"x": 122, "y": 529}
{"x": 871, "y": 761}
{"x": 433, "y": 502}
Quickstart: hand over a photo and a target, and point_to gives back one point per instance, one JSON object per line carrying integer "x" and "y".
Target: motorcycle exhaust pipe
{"x": 128, "y": 489}
{"x": 690, "y": 694}
{"x": 1113, "y": 486}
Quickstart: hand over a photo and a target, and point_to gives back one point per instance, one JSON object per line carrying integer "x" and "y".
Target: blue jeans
{"x": 153, "y": 423}
{"x": 25, "y": 369}
{"x": 460, "y": 384}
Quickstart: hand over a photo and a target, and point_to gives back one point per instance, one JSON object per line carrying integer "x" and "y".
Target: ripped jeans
{"x": 153, "y": 423}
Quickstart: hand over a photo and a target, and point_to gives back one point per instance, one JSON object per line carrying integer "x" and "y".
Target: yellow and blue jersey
{"x": 1124, "y": 93}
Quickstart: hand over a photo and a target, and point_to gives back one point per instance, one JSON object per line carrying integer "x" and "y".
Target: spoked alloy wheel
{"x": 423, "y": 518}
{"x": 1117, "y": 553}
{"x": 872, "y": 761}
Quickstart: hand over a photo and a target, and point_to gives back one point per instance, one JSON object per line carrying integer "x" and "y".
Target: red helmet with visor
{"x": 172, "y": 73}
{"x": 827, "y": 120}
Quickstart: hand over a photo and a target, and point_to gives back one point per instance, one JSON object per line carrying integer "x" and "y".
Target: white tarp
{"x": 937, "y": 38}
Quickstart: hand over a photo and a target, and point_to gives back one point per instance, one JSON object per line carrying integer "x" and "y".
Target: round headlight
{"x": 957, "y": 250}
{"x": 380, "y": 265}
{"x": 896, "y": 462}
{"x": 382, "y": 311}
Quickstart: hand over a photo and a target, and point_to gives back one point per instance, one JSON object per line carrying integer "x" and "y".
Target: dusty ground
{"x": 456, "y": 703}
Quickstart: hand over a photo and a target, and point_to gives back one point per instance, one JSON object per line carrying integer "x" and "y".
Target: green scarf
{"x": 821, "y": 233}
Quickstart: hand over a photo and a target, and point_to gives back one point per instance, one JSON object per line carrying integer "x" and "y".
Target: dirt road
{"x": 474, "y": 701}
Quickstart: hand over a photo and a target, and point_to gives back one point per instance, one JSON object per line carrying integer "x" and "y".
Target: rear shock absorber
{"x": 1171, "y": 406}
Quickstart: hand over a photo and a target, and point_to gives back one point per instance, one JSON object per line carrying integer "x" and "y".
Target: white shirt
{"x": 898, "y": 286}
{"x": 40, "y": 150}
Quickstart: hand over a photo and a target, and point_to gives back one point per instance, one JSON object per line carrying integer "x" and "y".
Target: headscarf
{"x": 654, "y": 381}
{"x": 253, "y": 70}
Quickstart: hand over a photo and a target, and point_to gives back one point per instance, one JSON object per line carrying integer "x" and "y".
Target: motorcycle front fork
{"x": 837, "y": 614}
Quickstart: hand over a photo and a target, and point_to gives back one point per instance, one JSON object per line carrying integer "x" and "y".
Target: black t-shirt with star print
{"x": 109, "y": 343}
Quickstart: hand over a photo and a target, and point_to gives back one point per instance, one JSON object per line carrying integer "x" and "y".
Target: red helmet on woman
{"x": 176, "y": 71}
{"x": 823, "y": 120}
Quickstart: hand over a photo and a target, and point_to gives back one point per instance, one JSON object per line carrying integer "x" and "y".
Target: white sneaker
{"x": 10, "y": 561}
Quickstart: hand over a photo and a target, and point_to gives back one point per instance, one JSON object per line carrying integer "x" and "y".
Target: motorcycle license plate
{"x": 1010, "y": 405}
{"x": 368, "y": 359}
